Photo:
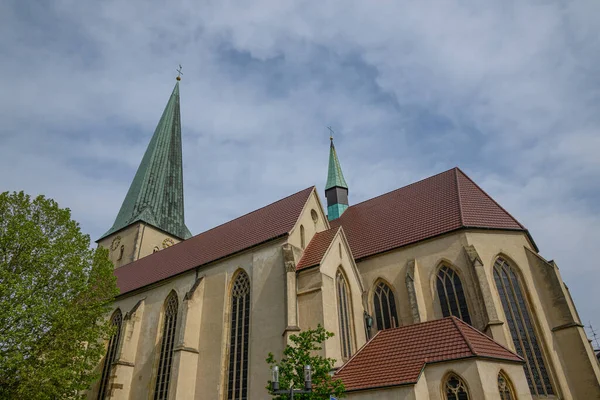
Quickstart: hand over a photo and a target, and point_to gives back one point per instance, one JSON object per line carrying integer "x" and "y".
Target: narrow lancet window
{"x": 344, "y": 315}
{"x": 237, "y": 383}
{"x": 111, "y": 352}
{"x": 385, "y": 307}
{"x": 452, "y": 295}
{"x": 455, "y": 388}
{"x": 163, "y": 376}
{"x": 302, "y": 239}
{"x": 521, "y": 327}
{"x": 505, "y": 387}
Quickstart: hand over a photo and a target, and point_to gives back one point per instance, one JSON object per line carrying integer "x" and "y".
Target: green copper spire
{"x": 335, "y": 177}
{"x": 336, "y": 188}
{"x": 156, "y": 193}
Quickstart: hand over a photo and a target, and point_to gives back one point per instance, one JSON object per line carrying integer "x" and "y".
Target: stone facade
{"x": 284, "y": 301}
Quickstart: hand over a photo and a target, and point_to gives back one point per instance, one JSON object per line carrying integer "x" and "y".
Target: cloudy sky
{"x": 509, "y": 92}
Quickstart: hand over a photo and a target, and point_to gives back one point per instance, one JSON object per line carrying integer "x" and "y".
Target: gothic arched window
{"x": 521, "y": 328}
{"x": 302, "y": 239}
{"x": 505, "y": 387}
{"x": 455, "y": 388}
{"x": 237, "y": 385}
{"x": 163, "y": 376}
{"x": 452, "y": 295}
{"x": 344, "y": 311}
{"x": 111, "y": 352}
{"x": 385, "y": 307}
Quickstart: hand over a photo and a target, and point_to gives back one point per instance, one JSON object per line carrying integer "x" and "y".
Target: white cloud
{"x": 509, "y": 91}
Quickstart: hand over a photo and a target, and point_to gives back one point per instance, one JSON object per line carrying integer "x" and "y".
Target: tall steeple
{"x": 336, "y": 188}
{"x": 155, "y": 196}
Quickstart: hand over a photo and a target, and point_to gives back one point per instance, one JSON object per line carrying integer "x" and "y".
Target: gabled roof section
{"x": 156, "y": 193}
{"x": 267, "y": 223}
{"x": 335, "y": 177}
{"x": 397, "y": 356}
{"x": 316, "y": 249}
{"x": 434, "y": 206}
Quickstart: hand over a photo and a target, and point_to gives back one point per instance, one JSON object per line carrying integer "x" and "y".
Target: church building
{"x": 433, "y": 291}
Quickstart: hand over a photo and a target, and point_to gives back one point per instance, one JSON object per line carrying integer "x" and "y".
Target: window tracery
{"x": 384, "y": 305}
{"x": 521, "y": 327}
{"x": 455, "y": 388}
{"x": 344, "y": 311}
{"x": 452, "y": 295}
{"x": 116, "y": 321}
{"x": 237, "y": 388}
{"x": 163, "y": 376}
{"x": 504, "y": 387}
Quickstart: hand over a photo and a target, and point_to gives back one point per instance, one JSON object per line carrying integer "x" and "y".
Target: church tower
{"x": 336, "y": 189}
{"x": 152, "y": 215}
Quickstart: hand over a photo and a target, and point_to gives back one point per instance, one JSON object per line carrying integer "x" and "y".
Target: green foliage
{"x": 303, "y": 351}
{"x": 54, "y": 295}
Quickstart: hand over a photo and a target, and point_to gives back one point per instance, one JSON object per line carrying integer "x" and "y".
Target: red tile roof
{"x": 259, "y": 226}
{"x": 397, "y": 356}
{"x": 422, "y": 210}
{"x": 314, "y": 252}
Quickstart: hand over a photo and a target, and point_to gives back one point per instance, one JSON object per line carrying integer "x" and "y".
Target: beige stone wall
{"x": 138, "y": 240}
{"x": 427, "y": 256}
{"x": 201, "y": 350}
{"x": 512, "y": 247}
{"x": 310, "y": 224}
{"x": 318, "y": 303}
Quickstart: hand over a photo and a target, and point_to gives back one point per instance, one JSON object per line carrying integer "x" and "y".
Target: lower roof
{"x": 397, "y": 356}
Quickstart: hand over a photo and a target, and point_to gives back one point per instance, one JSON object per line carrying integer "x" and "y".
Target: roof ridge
{"x": 402, "y": 187}
{"x": 460, "y": 209}
{"x": 472, "y": 328}
{"x": 460, "y": 331}
{"x": 253, "y": 211}
{"x": 489, "y": 197}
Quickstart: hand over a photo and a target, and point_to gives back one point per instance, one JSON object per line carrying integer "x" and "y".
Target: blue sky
{"x": 508, "y": 91}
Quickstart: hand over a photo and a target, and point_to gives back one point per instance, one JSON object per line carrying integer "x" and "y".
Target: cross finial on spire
{"x": 179, "y": 73}
{"x": 330, "y": 133}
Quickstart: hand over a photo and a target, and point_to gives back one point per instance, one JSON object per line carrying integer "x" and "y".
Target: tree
{"x": 54, "y": 296}
{"x": 302, "y": 352}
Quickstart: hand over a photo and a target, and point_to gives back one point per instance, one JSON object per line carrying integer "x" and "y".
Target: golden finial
{"x": 330, "y": 133}
{"x": 179, "y": 73}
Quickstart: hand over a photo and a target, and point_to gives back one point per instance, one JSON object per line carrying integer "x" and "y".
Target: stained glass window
{"x": 521, "y": 327}
{"x": 505, "y": 388}
{"x": 163, "y": 376}
{"x": 385, "y": 307}
{"x": 111, "y": 352}
{"x": 455, "y": 388}
{"x": 237, "y": 387}
{"x": 344, "y": 311}
{"x": 452, "y": 295}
